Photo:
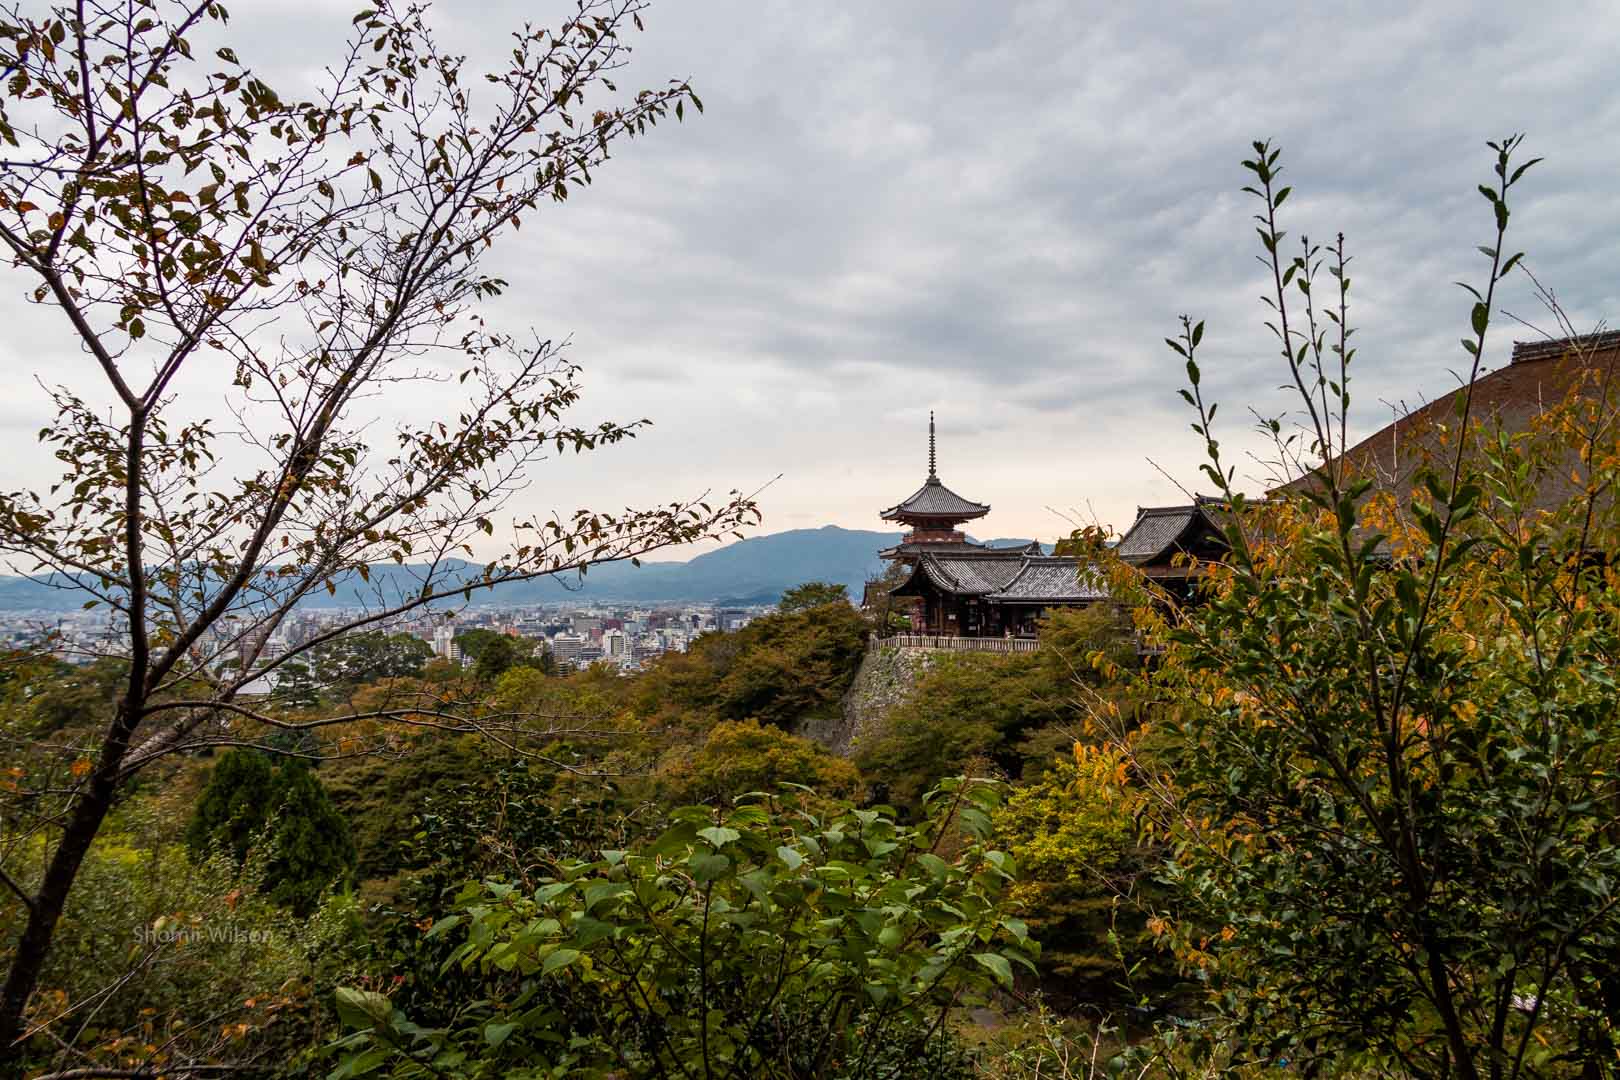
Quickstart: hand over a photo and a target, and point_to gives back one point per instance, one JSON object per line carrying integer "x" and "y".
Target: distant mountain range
{"x": 753, "y": 571}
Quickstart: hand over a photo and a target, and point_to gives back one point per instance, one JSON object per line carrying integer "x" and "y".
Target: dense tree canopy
{"x": 812, "y": 594}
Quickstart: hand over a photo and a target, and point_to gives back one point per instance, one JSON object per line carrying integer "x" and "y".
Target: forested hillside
{"x": 354, "y": 872}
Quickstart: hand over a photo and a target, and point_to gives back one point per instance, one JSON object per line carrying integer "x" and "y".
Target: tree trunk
{"x": 35, "y": 944}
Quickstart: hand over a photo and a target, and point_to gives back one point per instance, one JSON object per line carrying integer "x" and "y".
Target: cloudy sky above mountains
{"x": 997, "y": 211}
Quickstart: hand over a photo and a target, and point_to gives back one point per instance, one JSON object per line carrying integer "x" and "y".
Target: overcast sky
{"x": 997, "y": 211}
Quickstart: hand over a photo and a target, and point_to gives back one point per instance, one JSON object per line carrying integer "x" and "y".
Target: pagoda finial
{"x": 931, "y": 475}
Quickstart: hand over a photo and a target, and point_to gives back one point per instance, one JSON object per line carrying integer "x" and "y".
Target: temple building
{"x": 960, "y": 588}
{"x": 1172, "y": 544}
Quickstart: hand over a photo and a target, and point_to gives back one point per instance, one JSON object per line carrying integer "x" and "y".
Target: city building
{"x": 568, "y": 647}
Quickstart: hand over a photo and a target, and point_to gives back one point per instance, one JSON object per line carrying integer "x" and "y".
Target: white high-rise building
{"x": 444, "y": 642}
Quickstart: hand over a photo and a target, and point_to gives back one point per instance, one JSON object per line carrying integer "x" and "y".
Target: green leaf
{"x": 495, "y": 1034}
{"x": 558, "y": 960}
{"x": 706, "y": 868}
{"x": 997, "y": 965}
{"x": 719, "y": 836}
{"x": 361, "y": 1064}
{"x": 599, "y": 891}
{"x": 363, "y": 1008}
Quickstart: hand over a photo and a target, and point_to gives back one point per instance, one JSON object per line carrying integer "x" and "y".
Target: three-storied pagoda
{"x": 968, "y": 589}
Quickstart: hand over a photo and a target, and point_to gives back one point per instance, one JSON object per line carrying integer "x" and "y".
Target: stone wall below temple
{"x": 887, "y": 674}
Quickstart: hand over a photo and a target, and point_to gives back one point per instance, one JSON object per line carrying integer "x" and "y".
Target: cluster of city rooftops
{"x": 958, "y": 588}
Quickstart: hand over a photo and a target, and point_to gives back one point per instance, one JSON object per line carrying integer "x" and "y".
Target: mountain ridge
{"x": 754, "y": 570}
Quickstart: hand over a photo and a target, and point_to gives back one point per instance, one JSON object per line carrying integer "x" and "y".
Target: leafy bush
{"x": 514, "y": 825}
{"x": 764, "y": 941}
{"x": 1011, "y": 710}
{"x": 162, "y": 960}
{"x": 1396, "y": 727}
{"x": 1087, "y": 878}
{"x": 782, "y": 669}
{"x": 381, "y": 796}
{"x": 743, "y": 756}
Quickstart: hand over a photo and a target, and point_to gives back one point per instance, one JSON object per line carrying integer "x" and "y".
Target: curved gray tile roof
{"x": 971, "y": 574}
{"x": 1155, "y": 529}
{"x": 1012, "y": 576}
{"x": 1053, "y": 578}
{"x": 934, "y": 499}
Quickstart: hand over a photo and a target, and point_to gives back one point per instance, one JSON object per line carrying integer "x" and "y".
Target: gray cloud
{"x": 998, "y": 211}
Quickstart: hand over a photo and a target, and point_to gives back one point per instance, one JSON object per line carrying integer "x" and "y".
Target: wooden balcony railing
{"x": 950, "y": 643}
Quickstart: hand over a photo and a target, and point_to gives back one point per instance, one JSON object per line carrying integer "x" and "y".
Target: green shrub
{"x": 744, "y": 756}
{"x": 1394, "y": 723}
{"x": 162, "y": 959}
{"x": 764, "y": 941}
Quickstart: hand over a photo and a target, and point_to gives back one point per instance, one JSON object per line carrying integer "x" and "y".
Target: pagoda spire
{"x": 934, "y": 506}
{"x": 931, "y": 474}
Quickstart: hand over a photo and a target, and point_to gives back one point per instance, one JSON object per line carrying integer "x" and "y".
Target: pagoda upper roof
{"x": 935, "y": 500}
{"x": 934, "y": 503}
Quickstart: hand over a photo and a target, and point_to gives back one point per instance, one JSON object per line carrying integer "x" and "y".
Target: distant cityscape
{"x": 576, "y": 635}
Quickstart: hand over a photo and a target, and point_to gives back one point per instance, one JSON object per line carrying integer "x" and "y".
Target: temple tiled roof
{"x": 1155, "y": 529}
{"x": 1511, "y": 400}
{"x": 972, "y": 575}
{"x": 934, "y": 499}
{"x": 1051, "y": 578}
{"x": 1159, "y": 529}
{"x": 1010, "y": 575}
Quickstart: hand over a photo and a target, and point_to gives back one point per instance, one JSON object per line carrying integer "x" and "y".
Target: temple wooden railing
{"x": 950, "y": 643}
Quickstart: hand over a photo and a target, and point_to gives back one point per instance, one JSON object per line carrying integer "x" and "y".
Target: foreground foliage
{"x": 767, "y": 940}
{"x": 1395, "y": 782}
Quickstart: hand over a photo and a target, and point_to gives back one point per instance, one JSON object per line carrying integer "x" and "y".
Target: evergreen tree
{"x": 284, "y": 812}
{"x": 233, "y": 806}
{"x": 309, "y": 841}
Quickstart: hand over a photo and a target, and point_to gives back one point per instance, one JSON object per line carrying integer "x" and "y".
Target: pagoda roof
{"x": 922, "y": 547}
{"x": 935, "y": 500}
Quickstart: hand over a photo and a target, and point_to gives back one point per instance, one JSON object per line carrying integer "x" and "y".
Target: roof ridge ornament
{"x": 931, "y": 473}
